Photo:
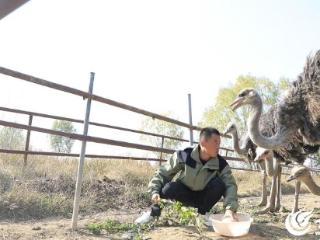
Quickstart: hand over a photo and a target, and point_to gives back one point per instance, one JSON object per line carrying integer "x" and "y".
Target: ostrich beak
{"x": 236, "y": 103}
{"x": 291, "y": 178}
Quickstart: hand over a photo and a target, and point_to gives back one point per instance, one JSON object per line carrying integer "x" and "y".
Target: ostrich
{"x": 269, "y": 167}
{"x": 295, "y": 124}
{"x": 294, "y": 150}
{"x": 299, "y": 109}
{"x": 298, "y": 154}
{"x": 267, "y": 126}
{"x": 248, "y": 152}
{"x": 302, "y": 173}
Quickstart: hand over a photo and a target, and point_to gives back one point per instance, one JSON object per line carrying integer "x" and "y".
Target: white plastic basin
{"x": 232, "y": 229}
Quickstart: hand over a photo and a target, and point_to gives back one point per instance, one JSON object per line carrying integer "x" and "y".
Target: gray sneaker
{"x": 205, "y": 219}
{"x": 144, "y": 218}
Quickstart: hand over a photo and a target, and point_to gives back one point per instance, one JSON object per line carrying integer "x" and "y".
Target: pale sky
{"x": 149, "y": 54}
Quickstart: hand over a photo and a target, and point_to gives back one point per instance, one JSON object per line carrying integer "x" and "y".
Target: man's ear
{"x": 202, "y": 141}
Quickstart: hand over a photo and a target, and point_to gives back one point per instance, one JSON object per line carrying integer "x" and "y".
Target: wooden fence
{"x": 87, "y": 138}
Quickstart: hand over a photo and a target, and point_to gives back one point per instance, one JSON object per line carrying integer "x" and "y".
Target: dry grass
{"x": 46, "y": 186}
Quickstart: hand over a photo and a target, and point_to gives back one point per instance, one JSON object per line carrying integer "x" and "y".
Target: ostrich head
{"x": 263, "y": 154}
{"x": 299, "y": 172}
{"x": 231, "y": 128}
{"x": 247, "y": 96}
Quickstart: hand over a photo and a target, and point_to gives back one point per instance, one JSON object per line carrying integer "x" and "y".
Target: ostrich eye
{"x": 241, "y": 94}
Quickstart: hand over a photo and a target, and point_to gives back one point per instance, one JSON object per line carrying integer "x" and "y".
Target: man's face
{"x": 211, "y": 145}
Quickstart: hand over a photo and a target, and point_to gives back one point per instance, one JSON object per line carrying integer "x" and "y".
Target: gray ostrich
{"x": 295, "y": 122}
{"x": 294, "y": 150}
{"x": 248, "y": 152}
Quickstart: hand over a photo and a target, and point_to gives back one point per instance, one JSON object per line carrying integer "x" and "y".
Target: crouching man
{"x": 202, "y": 178}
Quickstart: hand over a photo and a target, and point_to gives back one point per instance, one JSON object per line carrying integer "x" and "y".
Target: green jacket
{"x": 196, "y": 176}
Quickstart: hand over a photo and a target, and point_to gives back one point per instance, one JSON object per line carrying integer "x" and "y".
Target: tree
{"x": 59, "y": 143}
{"x": 12, "y": 138}
{"x": 220, "y": 114}
{"x": 163, "y": 128}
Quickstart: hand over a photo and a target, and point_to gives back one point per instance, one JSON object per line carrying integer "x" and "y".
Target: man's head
{"x": 210, "y": 141}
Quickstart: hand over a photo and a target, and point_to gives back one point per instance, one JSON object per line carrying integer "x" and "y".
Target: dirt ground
{"x": 266, "y": 226}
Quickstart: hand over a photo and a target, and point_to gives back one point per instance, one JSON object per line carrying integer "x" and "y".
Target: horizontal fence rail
{"x": 87, "y": 138}
{"x": 96, "y": 156}
{"x": 43, "y": 153}
{"x": 19, "y": 111}
{"x": 94, "y": 97}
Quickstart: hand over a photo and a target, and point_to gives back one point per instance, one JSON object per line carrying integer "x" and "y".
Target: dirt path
{"x": 266, "y": 226}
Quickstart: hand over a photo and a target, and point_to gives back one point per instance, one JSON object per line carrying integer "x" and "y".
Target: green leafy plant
{"x": 113, "y": 226}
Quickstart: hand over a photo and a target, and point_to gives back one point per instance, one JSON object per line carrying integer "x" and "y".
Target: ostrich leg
{"x": 296, "y": 196}
{"x": 278, "y": 201}
{"x": 271, "y": 204}
{"x": 263, "y": 201}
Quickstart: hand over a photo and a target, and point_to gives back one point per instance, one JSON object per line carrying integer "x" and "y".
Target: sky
{"x": 148, "y": 54}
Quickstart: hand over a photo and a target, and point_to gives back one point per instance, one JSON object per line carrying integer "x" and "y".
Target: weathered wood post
{"x": 25, "y": 158}
{"x": 81, "y": 158}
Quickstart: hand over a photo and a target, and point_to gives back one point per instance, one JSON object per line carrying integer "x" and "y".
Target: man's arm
{"x": 231, "y": 193}
{"x": 165, "y": 174}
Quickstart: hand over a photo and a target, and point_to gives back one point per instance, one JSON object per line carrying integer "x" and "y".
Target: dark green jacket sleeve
{"x": 165, "y": 174}
{"x": 231, "y": 193}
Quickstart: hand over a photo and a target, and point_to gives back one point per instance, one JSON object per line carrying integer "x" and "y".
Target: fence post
{"x": 81, "y": 159}
{"x": 162, "y": 142}
{"x": 25, "y": 158}
{"x": 190, "y": 119}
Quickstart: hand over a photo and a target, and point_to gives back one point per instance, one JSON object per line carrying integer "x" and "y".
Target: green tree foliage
{"x": 163, "y": 128}
{"x": 12, "y": 138}
{"x": 220, "y": 114}
{"x": 59, "y": 143}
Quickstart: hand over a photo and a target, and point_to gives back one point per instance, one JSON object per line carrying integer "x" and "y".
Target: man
{"x": 202, "y": 178}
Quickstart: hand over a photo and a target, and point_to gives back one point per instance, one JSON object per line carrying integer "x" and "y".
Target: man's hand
{"x": 155, "y": 198}
{"x": 230, "y": 216}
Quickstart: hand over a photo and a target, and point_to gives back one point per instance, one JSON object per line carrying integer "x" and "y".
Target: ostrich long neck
{"x": 236, "y": 147}
{"x": 253, "y": 125}
{"x": 312, "y": 186}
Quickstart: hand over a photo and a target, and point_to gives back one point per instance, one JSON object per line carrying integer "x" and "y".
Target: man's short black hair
{"x": 208, "y": 131}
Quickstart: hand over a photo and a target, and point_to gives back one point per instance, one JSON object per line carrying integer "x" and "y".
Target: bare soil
{"x": 265, "y": 226}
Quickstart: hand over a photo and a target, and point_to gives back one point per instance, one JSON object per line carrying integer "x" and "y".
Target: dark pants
{"x": 203, "y": 200}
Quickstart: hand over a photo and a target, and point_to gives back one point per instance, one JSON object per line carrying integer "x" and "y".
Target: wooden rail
{"x": 94, "y": 97}
{"x": 19, "y": 111}
{"x": 87, "y": 138}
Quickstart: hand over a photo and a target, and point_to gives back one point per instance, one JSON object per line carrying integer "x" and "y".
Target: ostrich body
{"x": 293, "y": 150}
{"x": 287, "y": 142}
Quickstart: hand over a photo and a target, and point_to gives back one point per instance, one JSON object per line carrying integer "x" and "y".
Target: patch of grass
{"x": 175, "y": 212}
{"x": 113, "y": 226}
